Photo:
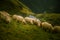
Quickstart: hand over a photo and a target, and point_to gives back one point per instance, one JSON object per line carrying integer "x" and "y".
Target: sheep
{"x": 37, "y": 22}
{"x": 19, "y": 18}
{"x": 30, "y": 20}
{"x": 56, "y": 29}
{"x": 5, "y": 16}
{"x": 47, "y": 26}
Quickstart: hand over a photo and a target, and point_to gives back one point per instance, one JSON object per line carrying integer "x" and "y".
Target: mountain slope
{"x": 14, "y": 6}
{"x": 19, "y": 31}
{"x": 43, "y": 5}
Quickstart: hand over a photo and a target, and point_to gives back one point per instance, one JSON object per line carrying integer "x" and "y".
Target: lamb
{"x": 30, "y": 20}
{"x": 47, "y": 26}
{"x": 19, "y": 18}
{"x": 5, "y": 16}
{"x": 56, "y": 29}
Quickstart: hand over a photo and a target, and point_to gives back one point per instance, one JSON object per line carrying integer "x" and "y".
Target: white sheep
{"x": 56, "y": 29}
{"x": 37, "y": 22}
{"x": 6, "y": 16}
{"x": 28, "y": 19}
{"x": 47, "y": 26}
{"x": 19, "y": 18}
{"x": 8, "y": 19}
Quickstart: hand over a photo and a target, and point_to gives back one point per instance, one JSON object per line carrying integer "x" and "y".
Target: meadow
{"x": 19, "y": 31}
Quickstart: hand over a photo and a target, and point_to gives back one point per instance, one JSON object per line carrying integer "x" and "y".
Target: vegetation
{"x": 19, "y": 31}
{"x": 14, "y": 7}
{"x": 52, "y": 18}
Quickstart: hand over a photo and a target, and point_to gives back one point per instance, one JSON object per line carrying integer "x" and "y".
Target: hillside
{"x": 52, "y": 18}
{"x": 19, "y": 31}
{"x": 50, "y": 6}
{"x": 14, "y": 6}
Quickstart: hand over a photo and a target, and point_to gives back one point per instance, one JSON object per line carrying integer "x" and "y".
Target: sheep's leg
{"x": 39, "y": 24}
{"x": 31, "y": 22}
{"x": 24, "y": 22}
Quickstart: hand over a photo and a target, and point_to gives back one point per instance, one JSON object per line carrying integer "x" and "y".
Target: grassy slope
{"x": 53, "y": 18}
{"x": 20, "y": 31}
{"x": 13, "y": 7}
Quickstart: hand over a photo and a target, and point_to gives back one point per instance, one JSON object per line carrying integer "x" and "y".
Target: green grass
{"x": 13, "y": 7}
{"x": 19, "y": 31}
{"x": 52, "y": 18}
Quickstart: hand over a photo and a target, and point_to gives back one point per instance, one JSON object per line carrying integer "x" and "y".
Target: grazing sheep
{"x": 5, "y": 16}
{"x": 19, "y": 18}
{"x": 47, "y": 26}
{"x": 30, "y": 20}
{"x": 56, "y": 29}
{"x": 37, "y": 22}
